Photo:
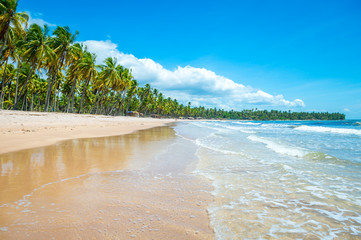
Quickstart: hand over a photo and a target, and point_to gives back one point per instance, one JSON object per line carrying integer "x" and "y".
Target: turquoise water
{"x": 281, "y": 179}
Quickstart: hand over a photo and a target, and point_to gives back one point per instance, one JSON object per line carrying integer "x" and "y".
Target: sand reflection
{"x": 128, "y": 187}
{"x": 24, "y": 171}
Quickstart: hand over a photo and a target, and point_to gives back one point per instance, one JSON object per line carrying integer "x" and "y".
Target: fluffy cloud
{"x": 197, "y": 85}
{"x": 38, "y": 21}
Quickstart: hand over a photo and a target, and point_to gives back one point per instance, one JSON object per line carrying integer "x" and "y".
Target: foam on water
{"x": 274, "y": 181}
{"x": 213, "y": 126}
{"x": 328, "y": 159}
{"x": 247, "y": 123}
{"x": 240, "y": 129}
{"x": 320, "y": 129}
{"x": 202, "y": 144}
{"x": 279, "y": 148}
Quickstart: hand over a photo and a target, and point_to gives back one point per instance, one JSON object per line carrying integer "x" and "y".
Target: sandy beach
{"x": 22, "y": 130}
{"x": 108, "y": 181}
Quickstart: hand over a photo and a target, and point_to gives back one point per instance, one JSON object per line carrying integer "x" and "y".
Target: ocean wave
{"x": 320, "y": 156}
{"x": 227, "y": 152}
{"x": 221, "y": 127}
{"x": 328, "y": 130}
{"x": 279, "y": 148}
{"x": 328, "y": 159}
{"x": 247, "y": 123}
{"x": 241, "y": 129}
{"x": 277, "y": 125}
{"x": 213, "y": 126}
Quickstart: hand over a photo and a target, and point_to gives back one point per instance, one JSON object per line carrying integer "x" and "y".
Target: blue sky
{"x": 298, "y": 55}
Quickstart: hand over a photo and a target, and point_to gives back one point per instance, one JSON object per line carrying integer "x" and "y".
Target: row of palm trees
{"x": 43, "y": 72}
{"x": 55, "y": 73}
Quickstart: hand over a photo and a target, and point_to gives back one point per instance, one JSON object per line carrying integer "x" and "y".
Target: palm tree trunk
{"x": 54, "y": 100}
{"x": 17, "y": 83}
{"x": 39, "y": 103}
{"x": 9, "y": 87}
{"x": 83, "y": 93}
{"x": 23, "y": 88}
{"x": 98, "y": 104}
{"x": 94, "y": 107}
{"x": 122, "y": 103}
{"x": 100, "y": 107}
{"x": 3, "y": 84}
{"x": 70, "y": 97}
{"x": 119, "y": 102}
{"x": 107, "y": 108}
{"x": 32, "y": 102}
{"x": 48, "y": 92}
{"x": 81, "y": 99}
{"x": 129, "y": 102}
{"x": 128, "y": 106}
{"x": 50, "y": 86}
{"x": 68, "y": 104}
{"x": 114, "y": 106}
{"x": 24, "y": 100}
{"x": 2, "y": 98}
{"x": 73, "y": 95}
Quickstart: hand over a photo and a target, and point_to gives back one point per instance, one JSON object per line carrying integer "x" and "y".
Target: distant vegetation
{"x": 255, "y": 114}
{"x": 40, "y": 71}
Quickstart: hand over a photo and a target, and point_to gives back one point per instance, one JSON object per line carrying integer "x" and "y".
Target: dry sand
{"x": 22, "y": 130}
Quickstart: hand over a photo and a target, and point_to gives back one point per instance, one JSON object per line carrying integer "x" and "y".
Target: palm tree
{"x": 131, "y": 93}
{"x": 9, "y": 73}
{"x": 160, "y": 103}
{"x": 88, "y": 71}
{"x": 143, "y": 95}
{"x": 125, "y": 83}
{"x": 9, "y": 18}
{"x": 37, "y": 49}
{"x": 12, "y": 50}
{"x": 57, "y": 84}
{"x": 6, "y": 58}
{"x": 16, "y": 55}
{"x": 73, "y": 72}
{"x": 63, "y": 47}
{"x": 111, "y": 76}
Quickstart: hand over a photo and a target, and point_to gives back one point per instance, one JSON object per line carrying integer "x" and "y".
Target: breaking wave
{"x": 328, "y": 130}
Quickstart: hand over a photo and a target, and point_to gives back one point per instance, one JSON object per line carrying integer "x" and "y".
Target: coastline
{"x": 111, "y": 198}
{"x": 21, "y": 130}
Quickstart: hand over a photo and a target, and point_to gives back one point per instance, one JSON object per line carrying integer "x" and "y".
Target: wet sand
{"x": 135, "y": 186}
{"x": 23, "y": 130}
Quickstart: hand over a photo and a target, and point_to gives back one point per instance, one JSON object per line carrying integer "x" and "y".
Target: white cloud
{"x": 38, "y": 21}
{"x": 197, "y": 85}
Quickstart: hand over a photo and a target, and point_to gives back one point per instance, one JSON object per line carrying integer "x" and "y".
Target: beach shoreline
{"x": 111, "y": 199}
{"x": 21, "y": 130}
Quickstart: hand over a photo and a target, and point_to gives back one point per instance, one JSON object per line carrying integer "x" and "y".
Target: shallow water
{"x": 24, "y": 171}
{"x": 134, "y": 186}
{"x": 281, "y": 180}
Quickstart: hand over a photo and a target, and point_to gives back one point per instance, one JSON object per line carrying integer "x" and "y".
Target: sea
{"x": 280, "y": 179}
